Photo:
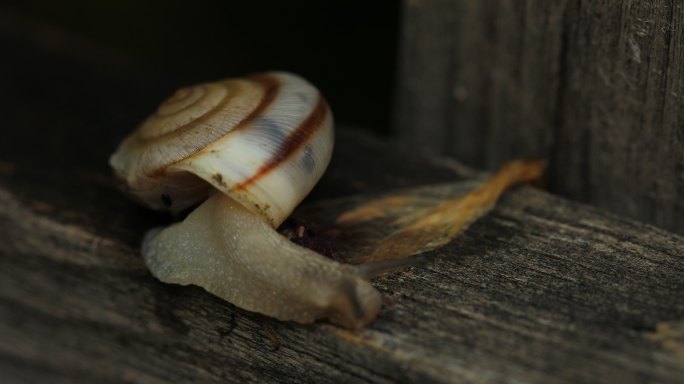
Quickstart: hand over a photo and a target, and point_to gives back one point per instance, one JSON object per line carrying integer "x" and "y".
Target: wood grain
{"x": 595, "y": 87}
{"x": 541, "y": 290}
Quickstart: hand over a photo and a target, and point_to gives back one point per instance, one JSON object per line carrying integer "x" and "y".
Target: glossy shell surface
{"x": 264, "y": 140}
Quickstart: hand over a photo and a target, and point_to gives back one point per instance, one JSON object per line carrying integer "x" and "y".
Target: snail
{"x": 249, "y": 150}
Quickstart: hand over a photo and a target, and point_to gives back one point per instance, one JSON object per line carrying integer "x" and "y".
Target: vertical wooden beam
{"x": 596, "y": 87}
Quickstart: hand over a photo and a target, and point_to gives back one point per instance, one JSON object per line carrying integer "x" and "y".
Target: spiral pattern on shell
{"x": 264, "y": 140}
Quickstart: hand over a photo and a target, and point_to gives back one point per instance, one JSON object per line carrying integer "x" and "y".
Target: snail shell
{"x": 255, "y": 147}
{"x": 264, "y": 140}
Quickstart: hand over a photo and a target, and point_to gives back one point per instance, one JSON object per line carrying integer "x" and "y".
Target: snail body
{"x": 250, "y": 150}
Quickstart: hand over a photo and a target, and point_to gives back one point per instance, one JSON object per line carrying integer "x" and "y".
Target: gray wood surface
{"x": 541, "y": 290}
{"x": 596, "y": 87}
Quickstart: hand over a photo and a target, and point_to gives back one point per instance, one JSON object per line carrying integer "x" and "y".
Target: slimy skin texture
{"x": 238, "y": 256}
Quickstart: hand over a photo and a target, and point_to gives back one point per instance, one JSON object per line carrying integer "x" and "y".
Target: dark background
{"x": 592, "y": 87}
{"x": 347, "y": 49}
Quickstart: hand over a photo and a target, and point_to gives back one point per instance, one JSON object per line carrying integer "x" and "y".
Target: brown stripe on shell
{"x": 270, "y": 84}
{"x": 292, "y": 142}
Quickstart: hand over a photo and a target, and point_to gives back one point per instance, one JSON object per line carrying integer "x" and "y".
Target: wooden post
{"x": 595, "y": 87}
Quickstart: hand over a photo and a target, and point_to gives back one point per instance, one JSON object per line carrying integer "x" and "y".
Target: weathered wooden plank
{"x": 541, "y": 290}
{"x": 593, "y": 86}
